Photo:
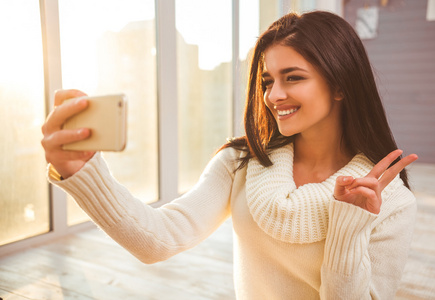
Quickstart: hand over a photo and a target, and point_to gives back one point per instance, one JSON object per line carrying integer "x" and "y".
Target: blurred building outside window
{"x": 112, "y": 50}
{"x": 25, "y": 206}
{"x": 110, "y": 47}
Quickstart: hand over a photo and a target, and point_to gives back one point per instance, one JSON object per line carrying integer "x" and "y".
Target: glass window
{"x": 249, "y": 24}
{"x": 270, "y": 11}
{"x": 109, "y": 47}
{"x": 305, "y": 5}
{"x": 24, "y": 200}
{"x": 204, "y": 55}
{"x": 255, "y": 17}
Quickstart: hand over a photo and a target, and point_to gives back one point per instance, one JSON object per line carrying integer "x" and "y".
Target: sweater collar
{"x": 287, "y": 213}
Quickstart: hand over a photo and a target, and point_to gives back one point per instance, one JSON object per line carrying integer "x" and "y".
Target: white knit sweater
{"x": 290, "y": 243}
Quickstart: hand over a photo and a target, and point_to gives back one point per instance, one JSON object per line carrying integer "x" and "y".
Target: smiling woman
{"x": 297, "y": 95}
{"x": 316, "y": 201}
{"x": 315, "y": 204}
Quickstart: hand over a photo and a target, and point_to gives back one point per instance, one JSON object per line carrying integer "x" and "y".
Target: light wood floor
{"x": 88, "y": 265}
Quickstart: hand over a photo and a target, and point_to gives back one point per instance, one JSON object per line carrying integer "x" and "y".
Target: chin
{"x": 287, "y": 132}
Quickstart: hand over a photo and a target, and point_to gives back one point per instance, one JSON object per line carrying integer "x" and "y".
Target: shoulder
{"x": 396, "y": 194}
{"x": 397, "y": 200}
{"x": 231, "y": 157}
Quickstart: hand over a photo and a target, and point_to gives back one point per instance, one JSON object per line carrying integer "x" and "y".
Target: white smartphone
{"x": 106, "y": 117}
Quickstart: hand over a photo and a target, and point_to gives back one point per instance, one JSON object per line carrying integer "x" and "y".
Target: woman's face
{"x": 297, "y": 95}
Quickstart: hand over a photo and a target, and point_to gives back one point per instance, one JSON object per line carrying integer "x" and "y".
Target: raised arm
{"x": 371, "y": 222}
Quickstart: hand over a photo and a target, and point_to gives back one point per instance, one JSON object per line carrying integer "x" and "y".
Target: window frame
{"x": 166, "y": 63}
{"x": 167, "y": 110}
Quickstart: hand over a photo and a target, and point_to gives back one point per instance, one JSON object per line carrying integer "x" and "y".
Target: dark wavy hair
{"x": 332, "y": 46}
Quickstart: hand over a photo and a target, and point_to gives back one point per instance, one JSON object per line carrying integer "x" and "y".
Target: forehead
{"x": 278, "y": 57}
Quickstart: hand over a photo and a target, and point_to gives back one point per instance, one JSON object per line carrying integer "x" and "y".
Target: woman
{"x": 316, "y": 209}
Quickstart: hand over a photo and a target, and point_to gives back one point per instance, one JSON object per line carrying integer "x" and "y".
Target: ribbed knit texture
{"x": 289, "y": 243}
{"x": 290, "y": 214}
{"x": 152, "y": 234}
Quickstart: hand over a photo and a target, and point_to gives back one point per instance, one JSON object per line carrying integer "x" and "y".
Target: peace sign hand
{"x": 366, "y": 192}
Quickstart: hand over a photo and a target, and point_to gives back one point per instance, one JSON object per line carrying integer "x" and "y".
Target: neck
{"x": 315, "y": 159}
{"x": 322, "y": 146}
{"x": 320, "y": 150}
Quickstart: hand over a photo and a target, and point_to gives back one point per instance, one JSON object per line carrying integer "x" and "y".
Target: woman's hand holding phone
{"x": 67, "y": 163}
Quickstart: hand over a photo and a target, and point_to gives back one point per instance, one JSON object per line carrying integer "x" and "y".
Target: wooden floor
{"x": 88, "y": 265}
{"x": 418, "y": 281}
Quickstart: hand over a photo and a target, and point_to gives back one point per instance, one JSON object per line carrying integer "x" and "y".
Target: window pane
{"x": 270, "y": 11}
{"x": 204, "y": 53}
{"x": 249, "y": 24}
{"x": 301, "y": 6}
{"x": 24, "y": 198}
{"x": 109, "y": 47}
{"x": 255, "y": 17}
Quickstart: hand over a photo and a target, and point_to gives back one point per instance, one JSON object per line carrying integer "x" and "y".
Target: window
{"x": 109, "y": 46}
{"x": 111, "y": 49}
{"x": 204, "y": 55}
{"x": 249, "y": 31}
{"x": 254, "y": 18}
{"x": 25, "y": 207}
{"x": 307, "y": 5}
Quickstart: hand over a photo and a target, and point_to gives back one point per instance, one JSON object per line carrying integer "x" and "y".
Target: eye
{"x": 267, "y": 84}
{"x": 294, "y": 78}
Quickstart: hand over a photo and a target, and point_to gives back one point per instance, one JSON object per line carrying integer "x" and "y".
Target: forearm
{"x": 345, "y": 272}
{"x": 150, "y": 234}
{"x": 365, "y": 261}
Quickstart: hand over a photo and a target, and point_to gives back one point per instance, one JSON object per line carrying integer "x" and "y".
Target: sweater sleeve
{"x": 153, "y": 234}
{"x": 365, "y": 254}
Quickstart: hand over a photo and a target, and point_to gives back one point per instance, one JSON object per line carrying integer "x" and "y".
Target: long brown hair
{"x": 331, "y": 45}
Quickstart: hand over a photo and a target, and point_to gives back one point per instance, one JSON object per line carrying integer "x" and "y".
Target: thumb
{"x": 341, "y": 183}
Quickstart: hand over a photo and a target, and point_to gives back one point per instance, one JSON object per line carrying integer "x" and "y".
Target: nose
{"x": 276, "y": 93}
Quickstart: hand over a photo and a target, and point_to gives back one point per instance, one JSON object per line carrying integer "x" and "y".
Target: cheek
{"x": 317, "y": 97}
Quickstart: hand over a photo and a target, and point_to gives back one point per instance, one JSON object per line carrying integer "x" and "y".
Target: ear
{"x": 338, "y": 94}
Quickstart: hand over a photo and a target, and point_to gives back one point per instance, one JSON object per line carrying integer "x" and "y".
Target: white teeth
{"x": 286, "y": 112}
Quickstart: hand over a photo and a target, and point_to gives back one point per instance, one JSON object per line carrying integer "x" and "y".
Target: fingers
{"x": 372, "y": 201}
{"x": 66, "y": 162}
{"x": 348, "y": 183}
{"x": 394, "y": 170}
{"x": 382, "y": 165}
{"x": 58, "y": 156}
{"x": 61, "y": 113}
{"x": 366, "y": 192}
{"x": 368, "y": 182}
{"x": 362, "y": 192}
{"x": 344, "y": 180}
{"x": 62, "y": 95}
{"x": 386, "y": 174}
{"x": 59, "y": 138}
{"x": 341, "y": 183}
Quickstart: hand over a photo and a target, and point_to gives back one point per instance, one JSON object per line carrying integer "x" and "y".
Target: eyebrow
{"x": 285, "y": 71}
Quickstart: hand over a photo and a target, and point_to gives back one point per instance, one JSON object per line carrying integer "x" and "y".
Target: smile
{"x": 287, "y": 112}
